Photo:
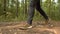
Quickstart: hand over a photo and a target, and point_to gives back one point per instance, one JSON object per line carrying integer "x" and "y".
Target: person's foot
{"x": 27, "y": 26}
{"x": 48, "y": 23}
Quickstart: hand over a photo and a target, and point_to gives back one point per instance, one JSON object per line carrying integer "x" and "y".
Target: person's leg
{"x": 38, "y": 7}
{"x": 30, "y": 15}
{"x": 47, "y": 19}
{"x": 31, "y": 11}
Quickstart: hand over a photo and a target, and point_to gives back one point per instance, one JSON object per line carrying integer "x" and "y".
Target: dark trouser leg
{"x": 38, "y": 7}
{"x": 31, "y": 12}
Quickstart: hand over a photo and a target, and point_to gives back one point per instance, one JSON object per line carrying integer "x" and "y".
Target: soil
{"x": 13, "y": 28}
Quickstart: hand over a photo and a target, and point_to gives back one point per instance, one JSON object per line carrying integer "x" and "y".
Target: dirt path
{"x": 14, "y": 29}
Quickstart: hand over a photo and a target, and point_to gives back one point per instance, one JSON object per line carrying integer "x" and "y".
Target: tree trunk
{"x": 5, "y": 8}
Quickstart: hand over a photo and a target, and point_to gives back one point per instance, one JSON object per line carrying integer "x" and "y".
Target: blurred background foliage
{"x": 17, "y": 10}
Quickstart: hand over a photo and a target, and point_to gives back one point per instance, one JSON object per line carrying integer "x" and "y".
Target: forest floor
{"x": 13, "y": 28}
